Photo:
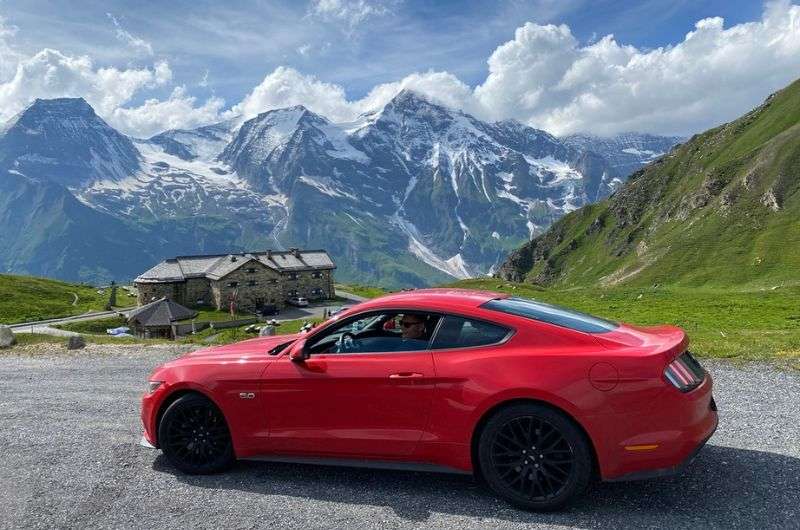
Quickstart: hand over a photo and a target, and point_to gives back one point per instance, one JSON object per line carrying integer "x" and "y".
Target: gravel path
{"x": 69, "y": 427}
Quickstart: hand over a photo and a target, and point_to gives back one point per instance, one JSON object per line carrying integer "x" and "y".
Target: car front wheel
{"x": 194, "y": 436}
{"x": 534, "y": 457}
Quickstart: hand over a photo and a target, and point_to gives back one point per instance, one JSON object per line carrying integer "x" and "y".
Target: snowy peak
{"x": 284, "y": 141}
{"x": 204, "y": 143}
{"x": 625, "y": 152}
{"x": 64, "y": 141}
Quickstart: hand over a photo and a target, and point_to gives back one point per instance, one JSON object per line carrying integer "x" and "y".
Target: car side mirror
{"x": 297, "y": 353}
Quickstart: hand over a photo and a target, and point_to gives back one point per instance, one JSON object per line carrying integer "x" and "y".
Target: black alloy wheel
{"x": 194, "y": 436}
{"x": 534, "y": 457}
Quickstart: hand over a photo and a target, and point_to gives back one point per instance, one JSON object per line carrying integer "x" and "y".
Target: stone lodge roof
{"x": 162, "y": 312}
{"x": 218, "y": 266}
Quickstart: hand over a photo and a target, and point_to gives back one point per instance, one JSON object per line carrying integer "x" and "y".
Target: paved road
{"x": 69, "y": 427}
{"x": 95, "y": 315}
{"x": 290, "y": 313}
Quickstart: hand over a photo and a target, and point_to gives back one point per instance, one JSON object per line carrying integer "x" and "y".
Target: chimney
{"x": 269, "y": 254}
{"x": 233, "y": 258}
{"x": 295, "y": 252}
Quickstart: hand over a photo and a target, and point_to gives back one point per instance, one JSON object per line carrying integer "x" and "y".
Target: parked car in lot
{"x": 268, "y": 310}
{"x": 536, "y": 399}
{"x": 298, "y": 301}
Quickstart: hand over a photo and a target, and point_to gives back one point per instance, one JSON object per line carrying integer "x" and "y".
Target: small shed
{"x": 156, "y": 320}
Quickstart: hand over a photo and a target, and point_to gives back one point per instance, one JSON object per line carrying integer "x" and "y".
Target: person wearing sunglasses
{"x": 412, "y": 327}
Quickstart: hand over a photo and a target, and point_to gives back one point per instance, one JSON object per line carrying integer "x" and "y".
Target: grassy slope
{"x": 361, "y": 290}
{"x": 745, "y": 325}
{"x": 24, "y": 298}
{"x": 694, "y": 219}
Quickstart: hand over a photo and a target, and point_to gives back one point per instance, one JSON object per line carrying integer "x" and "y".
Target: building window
{"x": 233, "y": 284}
{"x": 293, "y": 276}
{"x": 252, "y": 283}
{"x": 316, "y": 274}
{"x": 251, "y": 270}
{"x": 293, "y": 293}
{"x": 316, "y": 292}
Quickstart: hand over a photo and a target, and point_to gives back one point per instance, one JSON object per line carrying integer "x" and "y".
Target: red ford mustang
{"x": 533, "y": 398}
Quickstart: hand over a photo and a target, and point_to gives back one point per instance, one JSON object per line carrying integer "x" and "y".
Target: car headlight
{"x": 152, "y": 386}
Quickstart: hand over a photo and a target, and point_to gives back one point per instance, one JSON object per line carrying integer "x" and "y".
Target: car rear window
{"x": 457, "y": 332}
{"x": 552, "y": 314}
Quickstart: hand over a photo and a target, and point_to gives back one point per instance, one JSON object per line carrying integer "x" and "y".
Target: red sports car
{"x": 534, "y": 399}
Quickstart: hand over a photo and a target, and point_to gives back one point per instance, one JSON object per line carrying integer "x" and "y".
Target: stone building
{"x": 251, "y": 279}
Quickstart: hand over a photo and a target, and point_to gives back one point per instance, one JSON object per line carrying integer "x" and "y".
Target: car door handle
{"x": 406, "y": 375}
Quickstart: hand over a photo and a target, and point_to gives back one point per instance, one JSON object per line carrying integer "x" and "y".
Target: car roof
{"x": 436, "y": 298}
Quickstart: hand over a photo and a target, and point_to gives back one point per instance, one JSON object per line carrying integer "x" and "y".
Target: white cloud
{"x": 136, "y": 43}
{"x": 51, "y": 74}
{"x": 179, "y": 111}
{"x": 546, "y": 78}
{"x": 543, "y": 76}
{"x": 8, "y": 57}
{"x": 286, "y": 87}
{"x": 350, "y": 13}
{"x": 204, "y": 81}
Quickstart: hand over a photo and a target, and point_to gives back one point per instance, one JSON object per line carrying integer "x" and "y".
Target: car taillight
{"x": 685, "y": 373}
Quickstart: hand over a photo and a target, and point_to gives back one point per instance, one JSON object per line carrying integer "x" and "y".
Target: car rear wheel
{"x": 194, "y": 436}
{"x": 534, "y": 457}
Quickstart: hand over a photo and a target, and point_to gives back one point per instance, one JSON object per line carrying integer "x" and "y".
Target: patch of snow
{"x": 505, "y": 176}
{"x": 496, "y": 235}
{"x": 326, "y": 186}
{"x": 205, "y": 148}
{"x": 459, "y": 266}
{"x": 559, "y": 168}
{"x": 643, "y": 153}
{"x": 453, "y": 266}
{"x": 342, "y": 148}
{"x": 356, "y": 221}
{"x": 153, "y": 154}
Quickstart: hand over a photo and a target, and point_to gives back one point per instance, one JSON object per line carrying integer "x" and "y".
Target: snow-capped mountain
{"x": 412, "y": 194}
{"x": 625, "y": 152}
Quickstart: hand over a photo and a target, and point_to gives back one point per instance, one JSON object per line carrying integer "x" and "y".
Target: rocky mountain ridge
{"x": 412, "y": 194}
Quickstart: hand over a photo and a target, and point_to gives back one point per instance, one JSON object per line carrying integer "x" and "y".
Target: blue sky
{"x": 225, "y": 49}
{"x": 240, "y": 42}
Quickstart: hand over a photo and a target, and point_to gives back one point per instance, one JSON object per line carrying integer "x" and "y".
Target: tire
{"x": 194, "y": 436}
{"x": 534, "y": 457}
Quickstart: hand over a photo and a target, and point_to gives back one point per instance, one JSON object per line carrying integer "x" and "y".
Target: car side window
{"x": 378, "y": 333}
{"x": 458, "y": 332}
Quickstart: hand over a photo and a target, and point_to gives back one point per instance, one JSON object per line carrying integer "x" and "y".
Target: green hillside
{"x": 26, "y": 298}
{"x": 721, "y": 323}
{"x": 721, "y": 210}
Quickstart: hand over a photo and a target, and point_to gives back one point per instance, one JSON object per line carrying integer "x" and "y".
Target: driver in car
{"x": 412, "y": 327}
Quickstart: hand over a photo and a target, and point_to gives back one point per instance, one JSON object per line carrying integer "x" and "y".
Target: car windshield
{"x": 551, "y": 314}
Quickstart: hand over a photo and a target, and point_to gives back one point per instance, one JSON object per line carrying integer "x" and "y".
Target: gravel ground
{"x": 69, "y": 426}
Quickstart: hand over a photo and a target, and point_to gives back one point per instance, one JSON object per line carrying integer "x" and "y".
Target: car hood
{"x": 259, "y": 345}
